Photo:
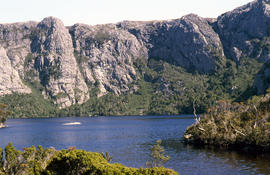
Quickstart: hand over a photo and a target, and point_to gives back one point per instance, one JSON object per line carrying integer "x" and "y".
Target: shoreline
{"x": 235, "y": 126}
{"x": 120, "y": 116}
{"x": 237, "y": 147}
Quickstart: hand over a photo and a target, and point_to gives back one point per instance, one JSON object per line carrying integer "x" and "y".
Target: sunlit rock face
{"x": 10, "y": 81}
{"x": 244, "y": 31}
{"x": 56, "y": 65}
{"x": 14, "y": 47}
{"x": 106, "y": 56}
{"x": 189, "y": 41}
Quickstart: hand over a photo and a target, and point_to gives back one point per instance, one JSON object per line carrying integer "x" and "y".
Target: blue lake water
{"x": 129, "y": 139}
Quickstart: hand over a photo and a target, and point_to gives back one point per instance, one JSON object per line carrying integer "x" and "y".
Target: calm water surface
{"x": 129, "y": 139}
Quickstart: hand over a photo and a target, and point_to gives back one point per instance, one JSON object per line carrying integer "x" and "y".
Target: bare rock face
{"x": 14, "y": 46}
{"x": 245, "y": 31}
{"x": 189, "y": 41}
{"x": 10, "y": 81}
{"x": 56, "y": 65}
{"x": 15, "y": 38}
{"x": 106, "y": 55}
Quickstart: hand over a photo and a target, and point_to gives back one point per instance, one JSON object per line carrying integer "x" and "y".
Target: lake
{"x": 129, "y": 139}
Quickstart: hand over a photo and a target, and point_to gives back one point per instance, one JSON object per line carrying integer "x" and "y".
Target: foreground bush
{"x": 235, "y": 125}
{"x": 49, "y": 161}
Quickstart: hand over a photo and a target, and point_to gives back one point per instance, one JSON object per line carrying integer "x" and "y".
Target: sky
{"x": 111, "y": 11}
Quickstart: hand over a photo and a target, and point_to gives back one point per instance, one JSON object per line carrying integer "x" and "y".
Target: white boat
{"x": 72, "y": 123}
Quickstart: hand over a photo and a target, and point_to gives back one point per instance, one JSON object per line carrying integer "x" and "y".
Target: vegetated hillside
{"x": 235, "y": 125}
{"x": 162, "y": 88}
{"x": 133, "y": 68}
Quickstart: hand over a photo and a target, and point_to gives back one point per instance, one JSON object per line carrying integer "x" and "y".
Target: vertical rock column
{"x": 56, "y": 64}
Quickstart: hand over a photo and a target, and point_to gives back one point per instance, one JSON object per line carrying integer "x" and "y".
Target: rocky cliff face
{"x": 15, "y": 39}
{"x": 10, "y": 81}
{"x": 56, "y": 65}
{"x": 106, "y": 55}
{"x": 41, "y": 53}
{"x": 244, "y": 31}
{"x": 14, "y": 47}
{"x": 66, "y": 63}
{"x": 189, "y": 41}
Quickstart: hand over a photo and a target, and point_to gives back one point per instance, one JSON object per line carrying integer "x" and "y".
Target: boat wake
{"x": 72, "y": 123}
{"x": 3, "y": 126}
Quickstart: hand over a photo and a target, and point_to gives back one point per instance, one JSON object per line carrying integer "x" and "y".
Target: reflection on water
{"x": 226, "y": 162}
{"x": 129, "y": 139}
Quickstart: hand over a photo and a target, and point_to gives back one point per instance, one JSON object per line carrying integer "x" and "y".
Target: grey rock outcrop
{"x": 10, "y": 81}
{"x": 15, "y": 38}
{"x": 245, "y": 31}
{"x": 42, "y": 52}
{"x": 189, "y": 41}
{"x": 56, "y": 65}
{"x": 106, "y": 54}
{"x": 14, "y": 46}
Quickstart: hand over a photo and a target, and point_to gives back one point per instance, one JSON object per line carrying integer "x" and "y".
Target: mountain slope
{"x": 244, "y": 31}
{"x": 189, "y": 41}
{"x": 133, "y": 68}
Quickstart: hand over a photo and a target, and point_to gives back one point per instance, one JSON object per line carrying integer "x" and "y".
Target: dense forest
{"x": 3, "y": 114}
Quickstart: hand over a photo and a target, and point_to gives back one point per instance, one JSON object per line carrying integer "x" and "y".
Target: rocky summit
{"x": 189, "y": 41}
{"x": 245, "y": 31}
{"x": 72, "y": 65}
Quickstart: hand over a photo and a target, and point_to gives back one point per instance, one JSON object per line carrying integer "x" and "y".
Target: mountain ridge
{"x": 70, "y": 65}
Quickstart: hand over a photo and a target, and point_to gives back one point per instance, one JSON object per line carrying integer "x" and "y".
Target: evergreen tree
{"x": 157, "y": 155}
{"x": 3, "y": 113}
{"x": 12, "y": 157}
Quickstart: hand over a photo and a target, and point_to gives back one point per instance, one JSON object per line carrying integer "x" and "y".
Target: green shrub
{"x": 39, "y": 161}
{"x": 81, "y": 162}
{"x": 157, "y": 155}
{"x": 12, "y": 157}
{"x": 235, "y": 125}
